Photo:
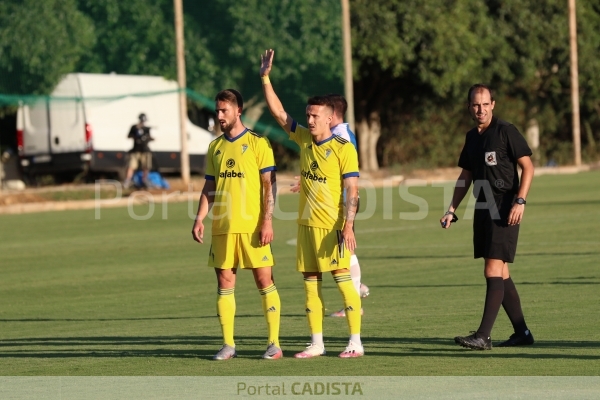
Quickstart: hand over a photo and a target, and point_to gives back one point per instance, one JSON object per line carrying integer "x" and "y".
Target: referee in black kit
{"x": 489, "y": 159}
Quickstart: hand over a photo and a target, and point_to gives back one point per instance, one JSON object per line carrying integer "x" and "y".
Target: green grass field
{"x": 119, "y": 296}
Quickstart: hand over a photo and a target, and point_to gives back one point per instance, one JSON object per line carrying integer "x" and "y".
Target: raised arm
{"x": 269, "y": 188}
{"x": 461, "y": 188}
{"x": 351, "y": 188}
{"x": 273, "y": 102}
{"x": 207, "y": 197}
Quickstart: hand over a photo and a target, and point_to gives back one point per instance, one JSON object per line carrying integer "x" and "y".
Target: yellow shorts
{"x": 142, "y": 160}
{"x": 239, "y": 250}
{"x": 318, "y": 250}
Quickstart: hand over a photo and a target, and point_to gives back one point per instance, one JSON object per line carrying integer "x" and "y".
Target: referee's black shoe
{"x": 516, "y": 339}
{"x": 474, "y": 341}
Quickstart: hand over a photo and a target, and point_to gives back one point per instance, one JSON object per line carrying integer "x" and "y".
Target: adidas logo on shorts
{"x": 272, "y": 309}
{"x": 265, "y": 258}
{"x": 334, "y": 262}
{"x": 308, "y": 310}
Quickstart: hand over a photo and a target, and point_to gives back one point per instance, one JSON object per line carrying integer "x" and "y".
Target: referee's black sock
{"x": 493, "y": 301}
{"x": 512, "y": 306}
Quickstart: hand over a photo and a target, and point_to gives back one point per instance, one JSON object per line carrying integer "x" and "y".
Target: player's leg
{"x": 512, "y": 305}
{"x": 260, "y": 259}
{"x": 483, "y": 245}
{"x": 355, "y": 272}
{"x": 271, "y": 305}
{"x": 361, "y": 289}
{"x": 133, "y": 165}
{"x": 481, "y": 339}
{"x": 494, "y": 295}
{"x": 505, "y": 238}
{"x": 223, "y": 257}
{"x": 314, "y": 307}
{"x": 340, "y": 258}
{"x": 306, "y": 263}
{"x": 226, "y": 311}
{"x": 352, "y": 307}
{"x": 146, "y": 166}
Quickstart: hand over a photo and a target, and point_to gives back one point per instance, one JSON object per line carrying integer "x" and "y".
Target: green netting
{"x": 18, "y": 99}
{"x": 274, "y": 133}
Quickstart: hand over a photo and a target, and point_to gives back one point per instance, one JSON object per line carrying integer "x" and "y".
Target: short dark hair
{"x": 321, "y": 101}
{"x": 476, "y": 88}
{"x": 340, "y": 105}
{"x": 231, "y": 96}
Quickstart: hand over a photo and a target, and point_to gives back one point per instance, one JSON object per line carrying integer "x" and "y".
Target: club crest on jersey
{"x": 244, "y": 148}
{"x": 327, "y": 153}
{"x": 230, "y": 163}
{"x": 490, "y": 158}
{"x": 217, "y": 153}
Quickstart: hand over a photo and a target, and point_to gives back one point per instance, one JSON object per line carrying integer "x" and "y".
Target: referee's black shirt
{"x": 492, "y": 156}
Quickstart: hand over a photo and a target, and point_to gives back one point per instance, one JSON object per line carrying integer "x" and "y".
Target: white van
{"x": 85, "y": 122}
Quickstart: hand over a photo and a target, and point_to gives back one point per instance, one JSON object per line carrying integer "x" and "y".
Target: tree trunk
{"x": 369, "y": 132}
{"x": 532, "y": 134}
{"x": 253, "y": 110}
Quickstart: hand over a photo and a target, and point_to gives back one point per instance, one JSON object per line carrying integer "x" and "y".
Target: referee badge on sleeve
{"x": 490, "y": 158}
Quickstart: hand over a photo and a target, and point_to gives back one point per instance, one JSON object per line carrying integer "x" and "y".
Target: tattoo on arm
{"x": 351, "y": 208}
{"x": 269, "y": 194}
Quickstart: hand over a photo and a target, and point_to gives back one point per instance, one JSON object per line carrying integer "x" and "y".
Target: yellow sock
{"x": 352, "y": 303}
{"x": 226, "y": 313}
{"x": 272, "y": 309}
{"x": 314, "y": 304}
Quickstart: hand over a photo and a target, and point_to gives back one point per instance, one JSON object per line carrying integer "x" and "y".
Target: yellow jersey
{"x": 236, "y": 165}
{"x": 323, "y": 168}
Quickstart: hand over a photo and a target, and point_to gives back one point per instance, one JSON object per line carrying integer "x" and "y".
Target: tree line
{"x": 413, "y": 61}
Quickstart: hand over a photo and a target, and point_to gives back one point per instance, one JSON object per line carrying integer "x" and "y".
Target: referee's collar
{"x": 489, "y": 127}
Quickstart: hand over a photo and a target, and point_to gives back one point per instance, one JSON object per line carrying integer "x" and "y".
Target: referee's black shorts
{"x": 493, "y": 237}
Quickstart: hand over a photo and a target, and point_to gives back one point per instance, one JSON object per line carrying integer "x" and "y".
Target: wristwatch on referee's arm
{"x": 520, "y": 200}
{"x": 454, "y": 217}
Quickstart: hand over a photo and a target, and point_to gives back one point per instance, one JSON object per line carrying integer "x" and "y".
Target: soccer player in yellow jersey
{"x": 240, "y": 187}
{"x": 329, "y": 164}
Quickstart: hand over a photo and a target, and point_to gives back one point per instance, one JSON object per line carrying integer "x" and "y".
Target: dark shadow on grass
{"x": 466, "y": 256}
{"x": 494, "y": 354}
{"x": 404, "y": 257}
{"x": 559, "y": 283}
{"x": 251, "y": 347}
{"x": 132, "y": 319}
{"x": 428, "y": 286}
{"x": 482, "y": 284}
{"x": 214, "y": 341}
